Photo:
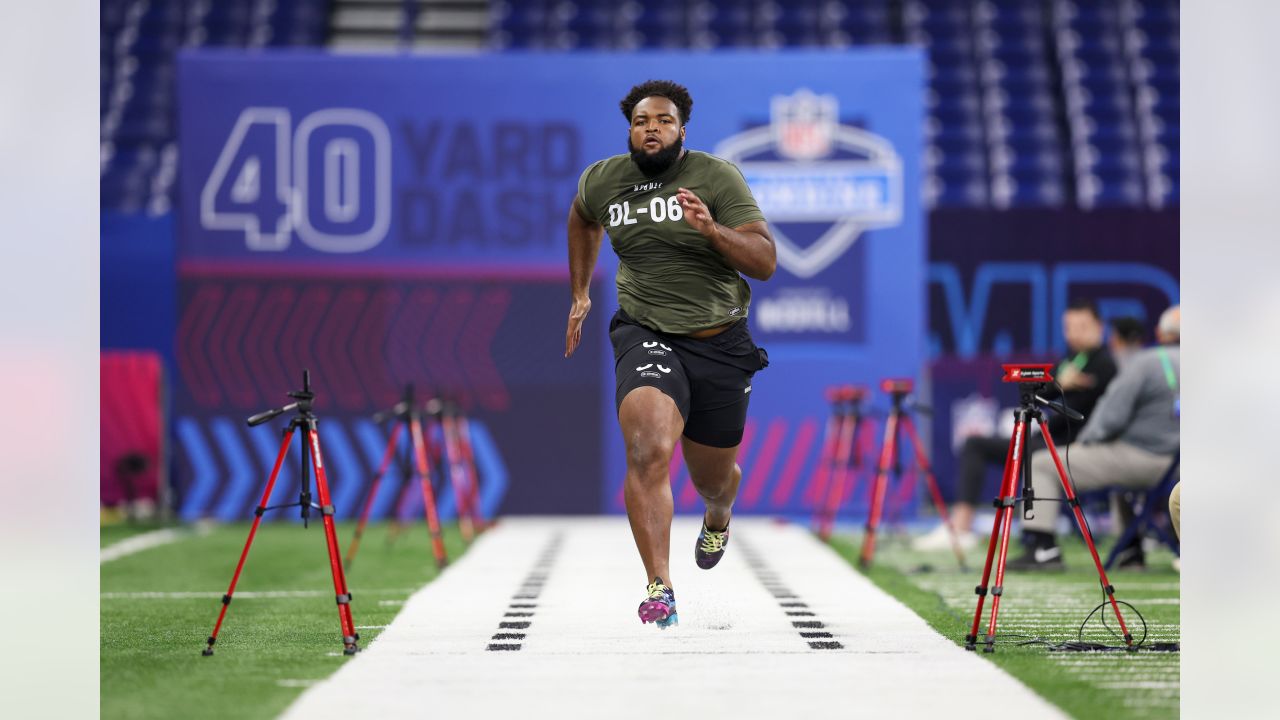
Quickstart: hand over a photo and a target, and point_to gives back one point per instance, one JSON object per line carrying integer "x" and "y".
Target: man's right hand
{"x": 577, "y": 313}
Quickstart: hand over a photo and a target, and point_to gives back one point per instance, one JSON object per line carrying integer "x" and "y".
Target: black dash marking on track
{"x": 808, "y": 629}
{"x": 825, "y": 645}
{"x": 530, "y": 588}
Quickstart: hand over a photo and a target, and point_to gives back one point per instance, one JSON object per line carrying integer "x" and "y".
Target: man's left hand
{"x": 696, "y": 212}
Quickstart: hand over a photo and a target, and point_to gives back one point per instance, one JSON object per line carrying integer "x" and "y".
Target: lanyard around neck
{"x": 1169, "y": 375}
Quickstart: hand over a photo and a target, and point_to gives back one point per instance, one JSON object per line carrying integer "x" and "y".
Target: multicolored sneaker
{"x": 660, "y": 607}
{"x": 710, "y": 547}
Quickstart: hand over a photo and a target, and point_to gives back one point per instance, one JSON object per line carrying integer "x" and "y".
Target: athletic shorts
{"x": 709, "y": 379}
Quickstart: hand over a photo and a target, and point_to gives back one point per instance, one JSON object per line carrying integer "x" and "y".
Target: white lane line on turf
{"x": 138, "y": 543}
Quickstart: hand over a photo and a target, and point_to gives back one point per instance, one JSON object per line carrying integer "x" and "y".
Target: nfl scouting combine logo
{"x": 805, "y": 167}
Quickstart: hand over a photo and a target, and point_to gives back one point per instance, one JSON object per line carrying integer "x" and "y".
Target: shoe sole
{"x": 659, "y": 613}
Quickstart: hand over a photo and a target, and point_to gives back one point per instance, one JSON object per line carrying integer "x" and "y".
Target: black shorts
{"x": 709, "y": 379}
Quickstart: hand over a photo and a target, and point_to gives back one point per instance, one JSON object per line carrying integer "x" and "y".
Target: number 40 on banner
{"x": 328, "y": 180}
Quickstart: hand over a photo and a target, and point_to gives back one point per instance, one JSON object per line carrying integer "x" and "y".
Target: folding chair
{"x": 1156, "y": 499}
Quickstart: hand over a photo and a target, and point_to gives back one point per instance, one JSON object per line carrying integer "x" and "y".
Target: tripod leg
{"x": 373, "y": 493}
{"x": 888, "y": 455}
{"x": 428, "y": 494}
{"x": 835, "y": 483}
{"x": 1003, "y": 503}
{"x": 473, "y": 475}
{"x": 452, "y": 460}
{"x": 932, "y": 483}
{"x": 398, "y": 512}
{"x": 253, "y": 530}
{"x": 861, "y": 430}
{"x": 343, "y": 596}
{"x": 1068, "y": 491}
{"x": 816, "y": 491}
{"x": 997, "y": 590}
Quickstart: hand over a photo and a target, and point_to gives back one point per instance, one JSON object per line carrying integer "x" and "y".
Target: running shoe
{"x": 710, "y": 546}
{"x": 660, "y": 606}
{"x": 940, "y": 539}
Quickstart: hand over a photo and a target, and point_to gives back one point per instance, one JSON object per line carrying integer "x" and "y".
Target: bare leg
{"x": 651, "y": 423}
{"x": 715, "y": 476}
{"x": 962, "y": 517}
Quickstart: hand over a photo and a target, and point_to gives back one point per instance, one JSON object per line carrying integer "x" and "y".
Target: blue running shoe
{"x": 710, "y": 547}
{"x": 660, "y": 607}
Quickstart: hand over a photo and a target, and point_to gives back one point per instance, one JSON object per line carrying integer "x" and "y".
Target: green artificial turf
{"x": 269, "y": 648}
{"x": 1051, "y": 606}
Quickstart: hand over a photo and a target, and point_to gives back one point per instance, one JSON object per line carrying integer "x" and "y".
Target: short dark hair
{"x": 1086, "y": 305}
{"x": 1128, "y": 329}
{"x": 674, "y": 92}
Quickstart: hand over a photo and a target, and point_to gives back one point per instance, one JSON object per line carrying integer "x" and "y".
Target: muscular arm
{"x": 748, "y": 248}
{"x": 584, "y": 249}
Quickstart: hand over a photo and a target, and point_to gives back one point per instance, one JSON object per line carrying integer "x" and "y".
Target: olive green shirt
{"x": 670, "y": 278}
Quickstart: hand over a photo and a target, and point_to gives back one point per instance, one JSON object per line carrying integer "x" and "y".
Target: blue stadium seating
{"x": 1030, "y": 103}
{"x": 138, "y": 41}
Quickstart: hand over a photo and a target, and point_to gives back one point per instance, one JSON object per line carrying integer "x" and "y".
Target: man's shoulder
{"x": 610, "y": 164}
{"x": 706, "y": 159}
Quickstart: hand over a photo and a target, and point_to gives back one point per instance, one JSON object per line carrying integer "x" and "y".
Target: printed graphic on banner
{"x": 377, "y": 216}
{"x": 822, "y": 185}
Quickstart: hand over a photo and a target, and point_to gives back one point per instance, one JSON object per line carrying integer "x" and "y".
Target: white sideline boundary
{"x": 585, "y": 654}
{"x": 138, "y": 543}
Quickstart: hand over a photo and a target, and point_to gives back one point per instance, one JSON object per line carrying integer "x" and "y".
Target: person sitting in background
{"x": 1126, "y": 338}
{"x": 1083, "y": 374}
{"x": 1128, "y": 441}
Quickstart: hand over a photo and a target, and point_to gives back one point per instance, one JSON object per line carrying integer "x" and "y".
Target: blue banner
{"x": 346, "y": 171}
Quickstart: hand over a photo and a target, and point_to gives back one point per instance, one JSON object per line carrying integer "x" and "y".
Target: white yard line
{"x": 138, "y": 543}
{"x": 566, "y": 642}
{"x": 240, "y": 594}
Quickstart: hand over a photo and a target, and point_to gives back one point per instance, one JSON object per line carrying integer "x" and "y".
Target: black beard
{"x": 657, "y": 163}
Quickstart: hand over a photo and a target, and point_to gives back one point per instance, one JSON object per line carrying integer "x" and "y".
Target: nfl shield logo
{"x": 803, "y": 124}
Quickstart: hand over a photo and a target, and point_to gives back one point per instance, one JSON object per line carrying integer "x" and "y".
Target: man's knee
{"x": 649, "y": 452}
{"x": 718, "y": 485}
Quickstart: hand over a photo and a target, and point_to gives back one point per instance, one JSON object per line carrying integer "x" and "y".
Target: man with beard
{"x": 684, "y": 225}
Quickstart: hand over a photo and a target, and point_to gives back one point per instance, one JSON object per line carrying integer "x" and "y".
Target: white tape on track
{"x": 538, "y": 620}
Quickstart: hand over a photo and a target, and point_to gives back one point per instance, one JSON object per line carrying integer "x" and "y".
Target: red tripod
{"x": 461, "y": 466}
{"x": 900, "y": 421}
{"x": 1032, "y": 379}
{"x": 841, "y": 453}
{"x": 405, "y": 414}
{"x": 305, "y": 420}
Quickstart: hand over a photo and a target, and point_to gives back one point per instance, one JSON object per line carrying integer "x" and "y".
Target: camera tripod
{"x": 306, "y": 421}
{"x": 1032, "y": 380}
{"x": 460, "y": 462}
{"x": 405, "y": 415}
{"x": 841, "y": 451}
{"x": 900, "y": 422}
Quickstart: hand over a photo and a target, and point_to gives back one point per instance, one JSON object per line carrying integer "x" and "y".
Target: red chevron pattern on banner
{"x": 241, "y": 341}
